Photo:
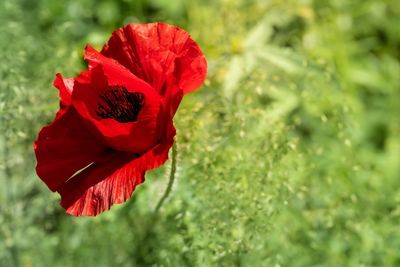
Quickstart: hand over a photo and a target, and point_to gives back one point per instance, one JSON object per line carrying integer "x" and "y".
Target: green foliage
{"x": 288, "y": 155}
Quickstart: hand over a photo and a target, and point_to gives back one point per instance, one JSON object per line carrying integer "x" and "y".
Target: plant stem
{"x": 171, "y": 178}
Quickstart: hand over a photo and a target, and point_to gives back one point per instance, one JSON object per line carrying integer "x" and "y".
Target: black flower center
{"x": 120, "y": 104}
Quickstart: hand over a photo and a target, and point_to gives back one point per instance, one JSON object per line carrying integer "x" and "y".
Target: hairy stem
{"x": 171, "y": 178}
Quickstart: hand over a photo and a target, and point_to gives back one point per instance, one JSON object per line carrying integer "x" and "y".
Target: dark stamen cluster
{"x": 120, "y": 104}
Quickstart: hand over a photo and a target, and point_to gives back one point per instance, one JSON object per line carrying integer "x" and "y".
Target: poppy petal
{"x": 163, "y": 55}
{"x": 65, "y": 87}
{"x": 103, "y": 184}
{"x": 115, "y": 72}
{"x": 65, "y": 147}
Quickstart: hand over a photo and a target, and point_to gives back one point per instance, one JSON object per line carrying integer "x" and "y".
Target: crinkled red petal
{"x": 65, "y": 87}
{"x": 163, "y": 55}
{"x": 65, "y": 147}
{"x": 103, "y": 184}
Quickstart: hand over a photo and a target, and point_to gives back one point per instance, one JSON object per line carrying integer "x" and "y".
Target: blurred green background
{"x": 288, "y": 155}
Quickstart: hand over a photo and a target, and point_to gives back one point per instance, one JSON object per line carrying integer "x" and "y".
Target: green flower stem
{"x": 171, "y": 177}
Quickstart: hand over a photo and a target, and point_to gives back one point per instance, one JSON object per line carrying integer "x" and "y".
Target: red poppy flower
{"x": 115, "y": 119}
